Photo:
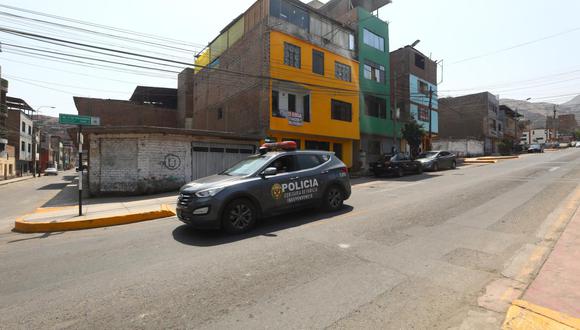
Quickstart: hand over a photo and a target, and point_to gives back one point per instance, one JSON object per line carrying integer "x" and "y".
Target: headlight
{"x": 209, "y": 192}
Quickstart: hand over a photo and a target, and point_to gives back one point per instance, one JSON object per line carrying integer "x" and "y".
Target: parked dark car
{"x": 437, "y": 160}
{"x": 395, "y": 164}
{"x": 536, "y": 148}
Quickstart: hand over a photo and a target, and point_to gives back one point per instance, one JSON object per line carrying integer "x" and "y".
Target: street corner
{"x": 525, "y": 315}
{"x": 65, "y": 219}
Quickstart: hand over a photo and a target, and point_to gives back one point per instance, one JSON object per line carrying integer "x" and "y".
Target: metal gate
{"x": 212, "y": 158}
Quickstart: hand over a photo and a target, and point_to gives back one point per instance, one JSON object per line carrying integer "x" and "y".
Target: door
{"x": 445, "y": 159}
{"x": 313, "y": 178}
{"x": 212, "y": 158}
{"x": 277, "y": 191}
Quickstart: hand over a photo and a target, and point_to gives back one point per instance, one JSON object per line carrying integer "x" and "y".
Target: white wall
{"x": 460, "y": 147}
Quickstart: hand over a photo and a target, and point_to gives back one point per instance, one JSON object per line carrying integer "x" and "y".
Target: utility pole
{"x": 430, "y": 111}
{"x": 555, "y": 126}
{"x": 395, "y": 111}
{"x": 80, "y": 142}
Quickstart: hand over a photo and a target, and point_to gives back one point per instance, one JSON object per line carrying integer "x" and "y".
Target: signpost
{"x": 80, "y": 121}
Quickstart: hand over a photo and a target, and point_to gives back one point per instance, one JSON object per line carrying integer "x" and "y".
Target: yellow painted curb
{"x": 42, "y": 227}
{"x": 497, "y": 157}
{"x": 525, "y": 315}
{"x": 477, "y": 161}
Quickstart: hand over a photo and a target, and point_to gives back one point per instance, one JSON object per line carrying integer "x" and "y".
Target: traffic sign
{"x": 67, "y": 119}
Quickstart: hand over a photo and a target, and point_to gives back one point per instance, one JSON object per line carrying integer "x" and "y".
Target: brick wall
{"x": 126, "y": 113}
{"x": 134, "y": 164}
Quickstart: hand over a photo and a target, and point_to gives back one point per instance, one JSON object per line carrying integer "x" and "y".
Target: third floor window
{"x": 342, "y": 71}
{"x": 373, "y": 40}
{"x": 291, "y": 55}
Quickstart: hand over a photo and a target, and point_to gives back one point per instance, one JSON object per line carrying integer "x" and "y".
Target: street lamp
{"x": 36, "y": 132}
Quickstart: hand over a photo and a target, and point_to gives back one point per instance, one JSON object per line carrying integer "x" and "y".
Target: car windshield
{"x": 247, "y": 166}
{"x": 429, "y": 154}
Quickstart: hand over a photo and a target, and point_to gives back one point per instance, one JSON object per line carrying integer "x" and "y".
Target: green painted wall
{"x": 369, "y": 124}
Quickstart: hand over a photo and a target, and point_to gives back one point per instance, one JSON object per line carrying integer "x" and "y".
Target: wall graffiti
{"x": 172, "y": 162}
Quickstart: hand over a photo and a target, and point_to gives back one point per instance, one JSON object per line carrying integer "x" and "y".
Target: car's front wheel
{"x": 239, "y": 216}
{"x": 333, "y": 199}
{"x": 453, "y": 165}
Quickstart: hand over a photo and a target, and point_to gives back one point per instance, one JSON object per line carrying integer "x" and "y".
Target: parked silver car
{"x": 436, "y": 160}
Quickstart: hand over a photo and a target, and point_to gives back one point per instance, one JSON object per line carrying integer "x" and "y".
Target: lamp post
{"x": 36, "y": 132}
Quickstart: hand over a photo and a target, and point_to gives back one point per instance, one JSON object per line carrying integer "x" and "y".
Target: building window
{"x": 373, "y": 40}
{"x": 275, "y": 104}
{"x": 306, "y": 104}
{"x": 341, "y": 110}
{"x": 220, "y": 113}
{"x": 373, "y": 71}
{"x": 317, "y": 145}
{"x": 291, "y": 55}
{"x": 342, "y": 71}
{"x": 290, "y": 13}
{"x": 423, "y": 88}
{"x": 337, "y": 148}
{"x": 423, "y": 113}
{"x": 23, "y": 127}
{"x": 375, "y": 106}
{"x": 318, "y": 62}
{"x": 29, "y": 148}
{"x": 291, "y": 102}
{"x": 22, "y": 146}
{"x": 29, "y": 130}
{"x": 420, "y": 61}
{"x": 499, "y": 128}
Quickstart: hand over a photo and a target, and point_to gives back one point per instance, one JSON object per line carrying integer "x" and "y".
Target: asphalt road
{"x": 414, "y": 252}
{"x": 26, "y": 196}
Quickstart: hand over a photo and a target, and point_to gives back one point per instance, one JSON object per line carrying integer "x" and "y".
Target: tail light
{"x": 344, "y": 170}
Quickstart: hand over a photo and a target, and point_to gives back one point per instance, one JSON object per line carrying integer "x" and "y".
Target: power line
{"x": 516, "y": 46}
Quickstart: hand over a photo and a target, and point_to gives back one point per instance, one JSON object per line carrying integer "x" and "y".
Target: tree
{"x": 413, "y": 133}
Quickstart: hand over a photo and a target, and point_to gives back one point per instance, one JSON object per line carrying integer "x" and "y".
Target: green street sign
{"x": 67, "y": 119}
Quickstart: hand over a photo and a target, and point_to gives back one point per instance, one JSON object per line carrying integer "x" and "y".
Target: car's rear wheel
{"x": 333, "y": 199}
{"x": 400, "y": 172}
{"x": 239, "y": 216}
{"x": 419, "y": 169}
{"x": 453, "y": 165}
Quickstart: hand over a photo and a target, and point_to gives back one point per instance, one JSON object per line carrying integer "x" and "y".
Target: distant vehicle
{"x": 278, "y": 180}
{"x": 436, "y": 160}
{"x": 577, "y": 145}
{"x": 536, "y": 148}
{"x": 563, "y": 145}
{"x": 573, "y": 143}
{"x": 396, "y": 164}
{"x": 51, "y": 171}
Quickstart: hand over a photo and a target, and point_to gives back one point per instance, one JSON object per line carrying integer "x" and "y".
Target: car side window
{"x": 308, "y": 161}
{"x": 285, "y": 164}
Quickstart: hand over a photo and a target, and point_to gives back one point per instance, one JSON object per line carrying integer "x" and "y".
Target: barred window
{"x": 342, "y": 71}
{"x": 291, "y": 55}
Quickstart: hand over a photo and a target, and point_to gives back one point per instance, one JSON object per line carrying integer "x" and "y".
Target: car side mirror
{"x": 269, "y": 171}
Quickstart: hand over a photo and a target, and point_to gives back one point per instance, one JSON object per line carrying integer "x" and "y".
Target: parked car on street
{"x": 51, "y": 171}
{"x": 573, "y": 144}
{"x": 436, "y": 160}
{"x": 395, "y": 164}
{"x": 535, "y": 148}
{"x": 279, "y": 179}
{"x": 564, "y": 145}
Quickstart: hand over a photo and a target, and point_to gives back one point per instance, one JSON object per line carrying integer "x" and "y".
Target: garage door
{"x": 212, "y": 158}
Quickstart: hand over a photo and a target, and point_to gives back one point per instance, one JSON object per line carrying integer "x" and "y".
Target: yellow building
{"x": 314, "y": 96}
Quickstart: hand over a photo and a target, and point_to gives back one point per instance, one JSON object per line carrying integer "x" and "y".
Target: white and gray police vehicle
{"x": 278, "y": 180}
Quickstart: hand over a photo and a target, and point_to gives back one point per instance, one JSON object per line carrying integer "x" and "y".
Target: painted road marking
{"x": 344, "y": 246}
{"x": 555, "y": 168}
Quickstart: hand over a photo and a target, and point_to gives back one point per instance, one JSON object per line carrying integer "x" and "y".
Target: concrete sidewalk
{"x": 18, "y": 179}
{"x": 552, "y": 301}
{"x": 96, "y": 214}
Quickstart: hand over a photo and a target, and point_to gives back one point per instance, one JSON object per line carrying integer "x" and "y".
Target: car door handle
{"x": 324, "y": 172}
{"x": 295, "y": 178}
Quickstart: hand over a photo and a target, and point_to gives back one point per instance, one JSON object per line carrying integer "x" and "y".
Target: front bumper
{"x": 210, "y": 220}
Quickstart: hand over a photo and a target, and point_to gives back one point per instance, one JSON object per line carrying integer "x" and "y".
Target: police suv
{"x": 278, "y": 180}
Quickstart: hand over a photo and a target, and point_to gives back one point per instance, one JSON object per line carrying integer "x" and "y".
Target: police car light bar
{"x": 285, "y": 146}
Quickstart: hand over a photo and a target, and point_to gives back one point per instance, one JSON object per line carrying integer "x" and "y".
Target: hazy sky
{"x": 449, "y": 30}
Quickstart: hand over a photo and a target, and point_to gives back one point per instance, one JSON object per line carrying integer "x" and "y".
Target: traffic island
{"x": 64, "y": 219}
